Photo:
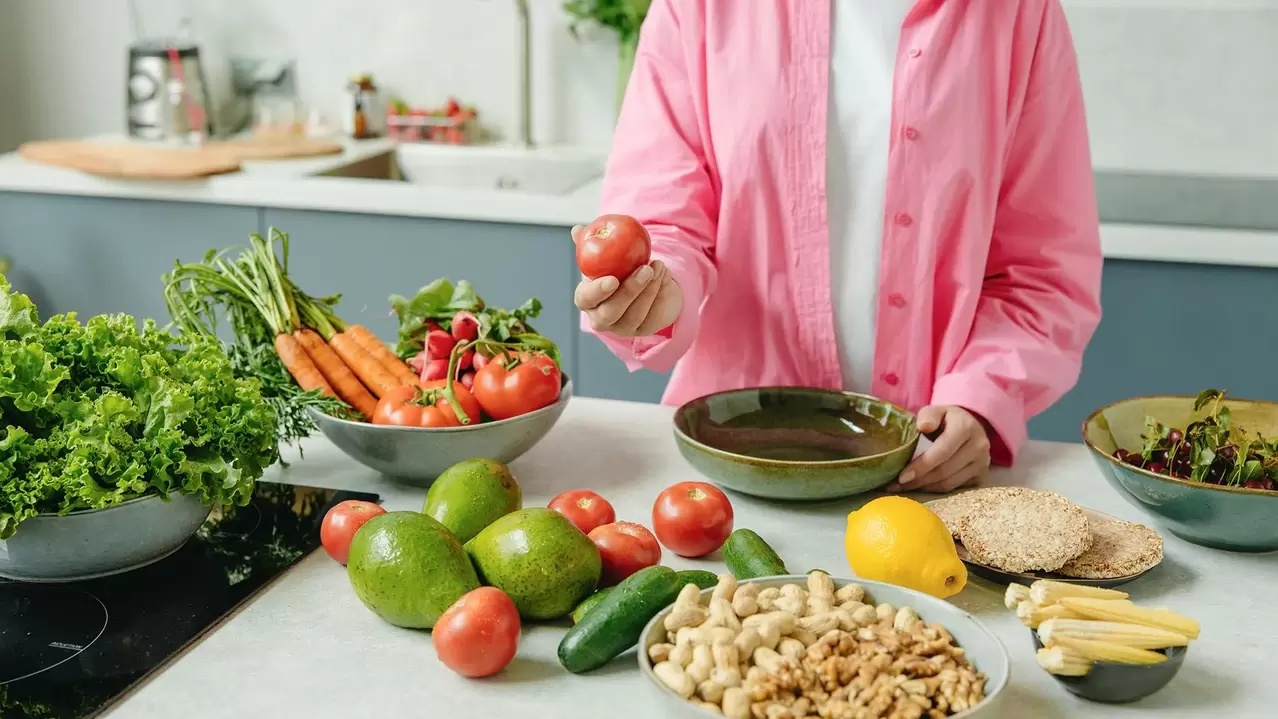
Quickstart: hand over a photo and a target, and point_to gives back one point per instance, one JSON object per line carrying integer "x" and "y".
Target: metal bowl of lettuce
{"x": 100, "y": 542}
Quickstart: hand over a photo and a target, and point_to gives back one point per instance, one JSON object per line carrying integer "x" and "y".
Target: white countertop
{"x": 307, "y": 648}
{"x": 293, "y": 184}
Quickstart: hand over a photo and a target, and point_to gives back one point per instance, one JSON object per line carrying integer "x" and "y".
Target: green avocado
{"x": 540, "y": 559}
{"x": 470, "y": 495}
{"x": 407, "y": 568}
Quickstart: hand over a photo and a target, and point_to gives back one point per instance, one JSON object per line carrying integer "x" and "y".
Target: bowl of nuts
{"x": 797, "y": 646}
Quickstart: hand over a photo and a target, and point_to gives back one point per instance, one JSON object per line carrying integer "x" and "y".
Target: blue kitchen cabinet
{"x": 96, "y": 255}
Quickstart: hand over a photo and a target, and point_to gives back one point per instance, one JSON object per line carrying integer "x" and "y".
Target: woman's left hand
{"x": 960, "y": 455}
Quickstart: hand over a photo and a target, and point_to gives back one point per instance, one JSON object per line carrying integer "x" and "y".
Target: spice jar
{"x": 361, "y": 112}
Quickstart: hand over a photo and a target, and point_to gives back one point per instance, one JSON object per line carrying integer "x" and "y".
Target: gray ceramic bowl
{"x": 983, "y": 649}
{"x": 796, "y": 442}
{"x": 1111, "y": 683}
{"x": 417, "y": 455}
{"x": 100, "y": 542}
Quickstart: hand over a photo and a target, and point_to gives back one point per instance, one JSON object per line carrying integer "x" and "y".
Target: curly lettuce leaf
{"x": 95, "y": 414}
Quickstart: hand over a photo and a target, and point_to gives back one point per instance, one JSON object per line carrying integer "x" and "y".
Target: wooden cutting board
{"x": 162, "y": 162}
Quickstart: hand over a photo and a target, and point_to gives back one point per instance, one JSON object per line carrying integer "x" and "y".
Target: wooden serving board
{"x": 165, "y": 162}
{"x": 129, "y": 160}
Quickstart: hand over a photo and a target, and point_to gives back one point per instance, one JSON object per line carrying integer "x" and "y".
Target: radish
{"x": 468, "y": 379}
{"x": 466, "y": 360}
{"x": 465, "y": 327}
{"x": 435, "y": 369}
{"x": 439, "y": 344}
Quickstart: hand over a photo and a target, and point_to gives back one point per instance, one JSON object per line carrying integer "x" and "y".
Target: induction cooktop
{"x": 69, "y": 651}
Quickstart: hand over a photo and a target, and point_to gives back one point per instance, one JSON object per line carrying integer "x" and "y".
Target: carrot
{"x": 299, "y": 364}
{"x": 382, "y": 354}
{"x": 338, "y": 374}
{"x": 377, "y": 378}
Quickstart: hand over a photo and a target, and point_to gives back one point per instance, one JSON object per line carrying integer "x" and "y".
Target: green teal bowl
{"x": 1231, "y": 518}
{"x": 796, "y": 442}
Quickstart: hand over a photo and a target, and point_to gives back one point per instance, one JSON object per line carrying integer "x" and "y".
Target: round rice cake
{"x": 954, "y": 509}
{"x": 1025, "y": 532}
{"x": 1119, "y": 549}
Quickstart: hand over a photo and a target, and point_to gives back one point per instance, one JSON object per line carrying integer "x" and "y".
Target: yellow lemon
{"x": 899, "y": 541}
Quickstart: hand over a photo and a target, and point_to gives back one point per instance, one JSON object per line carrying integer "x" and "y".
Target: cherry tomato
{"x": 613, "y": 245}
{"x": 425, "y": 406}
{"x": 477, "y": 636}
{"x": 341, "y": 523}
{"x": 692, "y": 519}
{"x": 510, "y": 386}
{"x": 584, "y": 508}
{"x": 626, "y": 548}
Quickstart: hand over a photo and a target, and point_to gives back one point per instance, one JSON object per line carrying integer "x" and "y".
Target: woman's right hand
{"x": 648, "y": 301}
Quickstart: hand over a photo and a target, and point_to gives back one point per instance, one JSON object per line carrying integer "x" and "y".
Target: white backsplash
{"x": 1171, "y": 85}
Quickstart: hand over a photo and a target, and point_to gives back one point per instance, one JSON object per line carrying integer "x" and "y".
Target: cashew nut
{"x": 675, "y": 678}
{"x": 659, "y": 652}
{"x": 820, "y": 623}
{"x": 746, "y": 600}
{"x": 885, "y": 612}
{"x": 865, "y": 614}
{"x": 806, "y": 636}
{"x": 791, "y": 647}
{"x": 767, "y": 659}
{"x": 736, "y": 703}
{"x": 725, "y": 589}
{"x": 681, "y": 655}
{"x": 702, "y": 663}
{"x": 784, "y": 620}
{"x": 905, "y": 620}
{"x": 710, "y": 691}
{"x": 687, "y": 610}
{"x": 722, "y": 615}
{"x": 747, "y": 641}
{"x": 768, "y": 598}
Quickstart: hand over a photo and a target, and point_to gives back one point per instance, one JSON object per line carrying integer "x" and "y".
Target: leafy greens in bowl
{"x": 95, "y": 414}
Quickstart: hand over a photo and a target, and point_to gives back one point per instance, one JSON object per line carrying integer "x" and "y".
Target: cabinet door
{"x": 1171, "y": 328}
{"x": 95, "y": 255}
{"x": 368, "y": 258}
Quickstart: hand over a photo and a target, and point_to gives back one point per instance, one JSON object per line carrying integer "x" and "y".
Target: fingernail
{"x": 643, "y": 274}
{"x": 892, "y": 488}
{"x": 608, "y": 284}
{"x": 906, "y": 477}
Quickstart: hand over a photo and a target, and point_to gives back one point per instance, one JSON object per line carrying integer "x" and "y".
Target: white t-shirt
{"x": 863, "y": 45}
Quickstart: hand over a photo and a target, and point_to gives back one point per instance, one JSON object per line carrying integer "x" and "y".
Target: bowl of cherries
{"x": 1205, "y": 467}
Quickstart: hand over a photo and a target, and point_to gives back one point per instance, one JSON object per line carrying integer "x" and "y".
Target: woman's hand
{"x": 644, "y": 304}
{"x": 959, "y": 456}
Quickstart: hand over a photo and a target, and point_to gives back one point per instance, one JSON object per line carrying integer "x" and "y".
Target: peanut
{"x": 791, "y": 647}
{"x": 675, "y": 678}
{"x": 820, "y": 623}
{"x": 885, "y": 612}
{"x": 849, "y": 593}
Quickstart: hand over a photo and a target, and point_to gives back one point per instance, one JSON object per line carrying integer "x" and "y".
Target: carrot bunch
{"x": 321, "y": 352}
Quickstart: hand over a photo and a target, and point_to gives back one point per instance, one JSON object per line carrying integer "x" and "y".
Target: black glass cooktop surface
{"x": 67, "y": 651}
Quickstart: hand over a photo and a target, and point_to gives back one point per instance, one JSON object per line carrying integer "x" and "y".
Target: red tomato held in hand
{"x": 508, "y": 387}
{"x": 625, "y": 548}
{"x": 478, "y": 635}
{"x": 341, "y": 523}
{"x": 692, "y": 519}
{"x": 613, "y": 246}
{"x": 584, "y": 508}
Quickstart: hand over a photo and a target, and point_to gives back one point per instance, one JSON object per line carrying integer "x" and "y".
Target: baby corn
{"x": 1124, "y": 611}
{"x": 1046, "y": 592}
{"x": 1109, "y": 652}
{"x": 1137, "y": 636}
{"x": 1031, "y": 615}
{"x": 1015, "y": 594}
{"x": 1063, "y": 662}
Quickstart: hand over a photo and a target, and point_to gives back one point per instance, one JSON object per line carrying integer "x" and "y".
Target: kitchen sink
{"x": 543, "y": 171}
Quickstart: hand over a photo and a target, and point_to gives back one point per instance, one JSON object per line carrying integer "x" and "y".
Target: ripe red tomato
{"x": 425, "y": 406}
{"x": 625, "y": 548}
{"x": 477, "y": 636}
{"x": 692, "y": 519}
{"x": 584, "y": 508}
{"x": 613, "y": 245}
{"x": 341, "y": 523}
{"x": 510, "y": 386}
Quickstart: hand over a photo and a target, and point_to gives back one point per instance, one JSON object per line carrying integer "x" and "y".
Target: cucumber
{"x": 748, "y": 556}
{"x": 589, "y": 603}
{"x": 699, "y": 577}
{"x": 615, "y": 623}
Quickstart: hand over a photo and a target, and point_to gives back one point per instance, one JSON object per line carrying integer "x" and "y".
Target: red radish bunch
{"x": 432, "y": 362}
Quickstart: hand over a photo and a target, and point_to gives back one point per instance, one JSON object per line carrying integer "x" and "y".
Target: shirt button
{"x": 914, "y": 52}
{"x": 911, "y": 133}
{"x": 897, "y": 300}
{"x": 903, "y": 219}
{"x": 891, "y": 379}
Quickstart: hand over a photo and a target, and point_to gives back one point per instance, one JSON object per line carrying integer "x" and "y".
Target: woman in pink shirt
{"x": 888, "y": 196}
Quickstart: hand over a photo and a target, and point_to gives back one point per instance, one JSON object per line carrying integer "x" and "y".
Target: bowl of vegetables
{"x": 118, "y": 439}
{"x": 1205, "y": 467}
{"x": 796, "y": 442}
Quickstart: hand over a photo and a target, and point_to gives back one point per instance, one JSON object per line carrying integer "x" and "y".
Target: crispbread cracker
{"x": 953, "y": 510}
{"x": 1119, "y": 549}
{"x": 1026, "y": 531}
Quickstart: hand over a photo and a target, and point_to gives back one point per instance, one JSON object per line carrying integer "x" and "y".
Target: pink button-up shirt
{"x": 989, "y": 279}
